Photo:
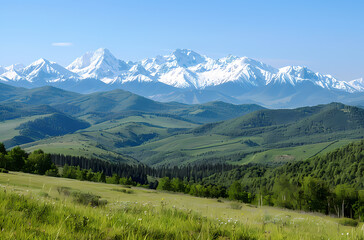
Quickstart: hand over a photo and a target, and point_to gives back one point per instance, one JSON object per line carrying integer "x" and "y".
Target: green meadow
{"x": 34, "y": 207}
{"x": 160, "y": 121}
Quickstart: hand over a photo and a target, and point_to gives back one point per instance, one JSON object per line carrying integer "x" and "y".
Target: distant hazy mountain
{"x": 188, "y": 77}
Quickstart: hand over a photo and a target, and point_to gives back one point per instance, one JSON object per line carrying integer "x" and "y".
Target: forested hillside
{"x": 44, "y": 126}
{"x": 329, "y": 183}
{"x": 18, "y": 110}
{"x": 288, "y": 123}
{"x": 115, "y": 124}
{"x": 264, "y": 136}
{"x": 344, "y": 165}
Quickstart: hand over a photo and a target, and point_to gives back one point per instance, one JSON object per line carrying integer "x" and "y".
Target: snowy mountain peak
{"x": 103, "y": 54}
{"x": 40, "y": 61}
{"x": 293, "y": 69}
{"x": 186, "y": 58}
{"x": 290, "y": 75}
{"x": 15, "y": 67}
{"x": 36, "y": 67}
{"x": 43, "y": 70}
{"x": 298, "y": 72}
{"x": 357, "y": 84}
{"x": 181, "y": 70}
{"x": 228, "y": 59}
{"x": 11, "y": 72}
{"x": 103, "y": 51}
{"x": 139, "y": 69}
{"x": 91, "y": 58}
{"x": 38, "y": 64}
{"x": 256, "y": 64}
{"x": 100, "y": 64}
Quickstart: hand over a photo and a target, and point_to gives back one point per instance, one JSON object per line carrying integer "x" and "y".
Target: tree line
{"x": 78, "y": 173}
{"x": 140, "y": 172}
{"x": 331, "y": 183}
{"x": 36, "y": 162}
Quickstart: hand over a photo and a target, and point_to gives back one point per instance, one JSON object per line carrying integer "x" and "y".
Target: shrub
{"x": 52, "y": 172}
{"x": 3, "y": 170}
{"x": 76, "y": 222}
{"x": 123, "y": 190}
{"x": 44, "y": 194}
{"x": 102, "y": 202}
{"x": 64, "y": 190}
{"x": 88, "y": 199}
{"x": 235, "y": 205}
{"x": 348, "y": 222}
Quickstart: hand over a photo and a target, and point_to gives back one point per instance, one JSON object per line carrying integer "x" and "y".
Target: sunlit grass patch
{"x": 146, "y": 214}
{"x": 26, "y": 216}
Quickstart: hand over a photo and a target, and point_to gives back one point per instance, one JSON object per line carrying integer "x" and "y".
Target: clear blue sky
{"x": 327, "y": 36}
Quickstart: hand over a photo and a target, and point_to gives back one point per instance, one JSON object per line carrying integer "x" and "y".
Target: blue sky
{"x": 326, "y": 36}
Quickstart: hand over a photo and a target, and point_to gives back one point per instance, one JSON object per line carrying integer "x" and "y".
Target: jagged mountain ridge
{"x": 165, "y": 78}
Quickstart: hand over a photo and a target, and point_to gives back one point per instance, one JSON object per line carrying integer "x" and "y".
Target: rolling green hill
{"x": 42, "y": 126}
{"x": 294, "y": 134}
{"x": 15, "y": 110}
{"x": 134, "y": 119}
{"x": 344, "y": 165}
{"x": 13, "y": 120}
{"x": 308, "y": 120}
{"x": 119, "y": 101}
{"x": 10, "y": 128}
{"x": 281, "y": 125}
{"x": 268, "y": 136}
{"x": 115, "y": 124}
{"x": 113, "y": 101}
{"x": 7, "y": 92}
{"x": 37, "y": 96}
{"x": 21, "y": 124}
{"x": 102, "y": 140}
{"x": 92, "y": 145}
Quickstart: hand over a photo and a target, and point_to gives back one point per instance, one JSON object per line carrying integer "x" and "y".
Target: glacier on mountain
{"x": 182, "y": 70}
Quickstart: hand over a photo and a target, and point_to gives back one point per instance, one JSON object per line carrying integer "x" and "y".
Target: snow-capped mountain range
{"x": 186, "y": 76}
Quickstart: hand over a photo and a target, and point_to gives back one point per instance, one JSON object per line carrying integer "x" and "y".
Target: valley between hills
{"x": 112, "y": 150}
{"x": 124, "y": 127}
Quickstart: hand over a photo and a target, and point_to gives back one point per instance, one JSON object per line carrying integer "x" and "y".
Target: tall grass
{"x": 35, "y": 207}
{"x": 30, "y": 217}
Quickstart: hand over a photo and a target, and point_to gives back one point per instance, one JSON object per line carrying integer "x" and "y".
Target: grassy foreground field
{"x": 32, "y": 207}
